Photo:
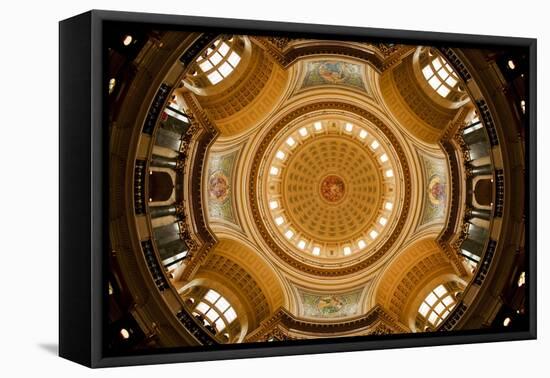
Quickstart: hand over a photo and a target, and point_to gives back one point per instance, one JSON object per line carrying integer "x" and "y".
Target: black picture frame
{"x": 83, "y": 210}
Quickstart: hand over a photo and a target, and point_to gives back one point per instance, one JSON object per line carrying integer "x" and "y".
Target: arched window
{"x": 440, "y": 75}
{"x": 437, "y": 306}
{"x": 215, "y": 311}
{"x": 219, "y": 60}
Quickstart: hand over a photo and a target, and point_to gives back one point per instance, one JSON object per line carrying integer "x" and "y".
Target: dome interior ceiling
{"x": 330, "y": 186}
{"x": 299, "y": 188}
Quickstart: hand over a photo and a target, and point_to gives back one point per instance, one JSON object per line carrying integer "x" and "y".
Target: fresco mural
{"x": 330, "y": 305}
{"x": 333, "y": 188}
{"x": 328, "y": 72}
{"x": 435, "y": 174}
{"x": 220, "y": 171}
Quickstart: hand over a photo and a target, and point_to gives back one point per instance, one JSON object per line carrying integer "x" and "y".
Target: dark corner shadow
{"x": 52, "y": 348}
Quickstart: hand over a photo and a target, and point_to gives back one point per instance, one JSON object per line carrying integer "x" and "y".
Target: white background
{"x": 29, "y": 187}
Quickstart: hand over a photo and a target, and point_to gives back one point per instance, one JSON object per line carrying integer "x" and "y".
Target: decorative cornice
{"x": 282, "y": 324}
{"x": 453, "y": 216}
{"x": 382, "y": 57}
{"x": 202, "y": 143}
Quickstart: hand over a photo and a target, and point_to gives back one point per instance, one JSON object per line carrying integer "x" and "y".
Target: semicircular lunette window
{"x": 215, "y": 311}
{"x": 436, "y": 307}
{"x": 439, "y": 74}
{"x": 219, "y": 60}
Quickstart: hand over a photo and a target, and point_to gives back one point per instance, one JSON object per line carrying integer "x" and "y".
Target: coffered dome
{"x": 329, "y": 185}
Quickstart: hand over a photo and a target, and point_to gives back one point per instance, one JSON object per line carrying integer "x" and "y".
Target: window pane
{"x": 212, "y": 296}
{"x": 205, "y": 66}
{"x": 215, "y": 77}
{"x": 472, "y": 128}
{"x": 216, "y": 58}
{"x": 431, "y": 299}
{"x": 443, "y": 74}
{"x": 439, "y": 308}
{"x": 448, "y": 300}
{"x": 434, "y": 82}
{"x": 427, "y": 71}
{"x": 433, "y": 318}
{"x": 176, "y": 115}
{"x": 222, "y": 304}
{"x": 470, "y": 255}
{"x": 424, "y": 309}
{"x": 212, "y": 315}
{"x": 203, "y": 307}
{"x": 224, "y": 49}
{"x": 451, "y": 81}
{"x": 443, "y": 91}
{"x": 437, "y": 64}
{"x": 234, "y": 59}
{"x": 225, "y": 69}
{"x": 440, "y": 291}
{"x": 230, "y": 315}
{"x": 220, "y": 325}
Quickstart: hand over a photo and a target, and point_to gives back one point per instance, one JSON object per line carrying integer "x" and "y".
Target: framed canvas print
{"x": 233, "y": 188}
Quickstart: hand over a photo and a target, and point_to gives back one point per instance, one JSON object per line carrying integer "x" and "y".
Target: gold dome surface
{"x": 330, "y": 189}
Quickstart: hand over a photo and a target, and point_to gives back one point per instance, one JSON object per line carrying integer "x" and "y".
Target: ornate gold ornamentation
{"x": 279, "y": 42}
{"x": 255, "y": 197}
{"x": 281, "y": 322}
{"x": 388, "y": 48}
{"x": 462, "y": 235}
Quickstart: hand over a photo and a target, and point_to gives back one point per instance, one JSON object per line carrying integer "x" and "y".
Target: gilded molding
{"x": 282, "y": 325}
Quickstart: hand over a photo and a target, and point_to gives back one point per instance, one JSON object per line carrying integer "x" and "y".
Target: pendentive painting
{"x": 269, "y": 189}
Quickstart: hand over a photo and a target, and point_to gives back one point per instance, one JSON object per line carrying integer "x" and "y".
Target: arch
{"x": 250, "y": 93}
{"x": 438, "y": 79}
{"x": 219, "y": 65}
{"x": 237, "y": 272}
{"x": 437, "y": 300}
{"x": 483, "y": 191}
{"x": 161, "y": 186}
{"x": 421, "y": 111}
{"x": 196, "y": 292}
{"x": 403, "y": 282}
